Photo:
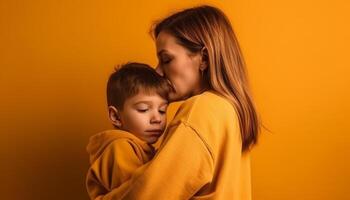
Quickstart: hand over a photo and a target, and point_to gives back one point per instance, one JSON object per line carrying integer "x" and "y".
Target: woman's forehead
{"x": 167, "y": 44}
{"x": 165, "y": 41}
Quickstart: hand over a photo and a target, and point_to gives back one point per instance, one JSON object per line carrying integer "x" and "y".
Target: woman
{"x": 205, "y": 152}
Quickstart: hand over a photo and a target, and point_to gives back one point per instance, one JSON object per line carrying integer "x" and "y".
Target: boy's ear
{"x": 114, "y": 116}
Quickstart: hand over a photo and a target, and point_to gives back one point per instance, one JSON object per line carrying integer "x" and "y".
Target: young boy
{"x": 137, "y": 102}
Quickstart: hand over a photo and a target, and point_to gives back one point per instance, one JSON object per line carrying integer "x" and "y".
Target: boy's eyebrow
{"x": 138, "y": 102}
{"x": 164, "y": 103}
{"x": 150, "y": 102}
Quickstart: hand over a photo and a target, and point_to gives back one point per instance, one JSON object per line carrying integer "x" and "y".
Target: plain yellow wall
{"x": 56, "y": 57}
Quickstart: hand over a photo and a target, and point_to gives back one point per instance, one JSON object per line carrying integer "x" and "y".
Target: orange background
{"x": 56, "y": 57}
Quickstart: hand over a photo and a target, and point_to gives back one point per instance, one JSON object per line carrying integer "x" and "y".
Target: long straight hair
{"x": 207, "y": 29}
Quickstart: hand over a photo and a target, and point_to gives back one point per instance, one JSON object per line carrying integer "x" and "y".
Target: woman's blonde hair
{"x": 206, "y": 29}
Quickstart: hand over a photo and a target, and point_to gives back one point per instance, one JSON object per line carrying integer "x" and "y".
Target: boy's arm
{"x": 181, "y": 168}
{"x": 115, "y": 166}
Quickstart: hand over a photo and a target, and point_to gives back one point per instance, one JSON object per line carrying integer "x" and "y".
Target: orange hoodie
{"x": 200, "y": 157}
{"x": 114, "y": 156}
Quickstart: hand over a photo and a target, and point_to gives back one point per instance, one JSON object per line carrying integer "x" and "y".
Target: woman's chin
{"x": 174, "y": 97}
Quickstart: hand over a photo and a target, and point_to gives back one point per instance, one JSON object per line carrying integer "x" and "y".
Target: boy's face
{"x": 144, "y": 115}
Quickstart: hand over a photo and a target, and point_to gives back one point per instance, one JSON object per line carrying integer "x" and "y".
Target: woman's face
{"x": 179, "y": 66}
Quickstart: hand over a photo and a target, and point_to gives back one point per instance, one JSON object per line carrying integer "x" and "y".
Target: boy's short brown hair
{"x": 131, "y": 78}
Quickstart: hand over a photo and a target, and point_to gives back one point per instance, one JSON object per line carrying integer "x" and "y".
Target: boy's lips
{"x": 155, "y": 131}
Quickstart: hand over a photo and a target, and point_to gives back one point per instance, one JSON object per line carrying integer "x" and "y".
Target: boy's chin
{"x": 152, "y": 141}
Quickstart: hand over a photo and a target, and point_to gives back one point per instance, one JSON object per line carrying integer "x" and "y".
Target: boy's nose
{"x": 156, "y": 118}
{"x": 159, "y": 70}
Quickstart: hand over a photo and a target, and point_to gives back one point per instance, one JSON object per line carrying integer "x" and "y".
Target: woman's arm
{"x": 181, "y": 167}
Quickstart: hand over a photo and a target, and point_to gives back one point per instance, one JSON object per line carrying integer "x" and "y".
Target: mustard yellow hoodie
{"x": 114, "y": 156}
{"x": 200, "y": 157}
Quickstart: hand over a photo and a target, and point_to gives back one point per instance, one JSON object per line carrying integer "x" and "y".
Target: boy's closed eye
{"x": 162, "y": 110}
{"x": 142, "y": 108}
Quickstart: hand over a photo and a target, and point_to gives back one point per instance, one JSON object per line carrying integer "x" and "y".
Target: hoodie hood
{"x": 100, "y": 141}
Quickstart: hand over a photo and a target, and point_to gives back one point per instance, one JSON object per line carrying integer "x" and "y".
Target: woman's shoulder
{"x": 208, "y": 101}
{"x": 204, "y": 107}
{"x": 209, "y": 97}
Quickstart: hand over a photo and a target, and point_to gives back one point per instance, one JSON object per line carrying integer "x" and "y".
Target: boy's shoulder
{"x": 113, "y": 134}
{"x": 111, "y": 139}
{"x": 108, "y": 136}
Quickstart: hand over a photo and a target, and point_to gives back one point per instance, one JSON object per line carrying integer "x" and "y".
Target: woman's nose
{"x": 159, "y": 70}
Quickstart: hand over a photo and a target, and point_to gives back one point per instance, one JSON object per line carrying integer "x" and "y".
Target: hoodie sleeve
{"x": 182, "y": 166}
{"x": 113, "y": 167}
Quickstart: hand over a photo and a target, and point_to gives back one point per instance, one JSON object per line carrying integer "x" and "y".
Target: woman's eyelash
{"x": 165, "y": 61}
{"x": 142, "y": 110}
